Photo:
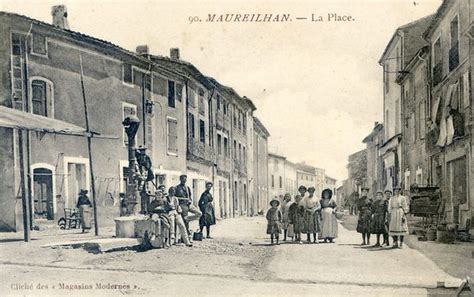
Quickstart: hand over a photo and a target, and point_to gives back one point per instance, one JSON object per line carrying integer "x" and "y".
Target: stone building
{"x": 374, "y": 160}
{"x": 41, "y": 75}
{"x": 260, "y": 168}
{"x": 330, "y": 183}
{"x": 415, "y": 95}
{"x": 449, "y": 134}
{"x": 190, "y": 123}
{"x": 402, "y": 47}
{"x": 282, "y": 176}
{"x": 357, "y": 171}
{"x": 306, "y": 175}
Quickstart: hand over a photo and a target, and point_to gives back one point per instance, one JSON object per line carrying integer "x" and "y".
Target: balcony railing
{"x": 454, "y": 57}
{"x": 240, "y": 166}
{"x": 201, "y": 150}
{"x": 438, "y": 73}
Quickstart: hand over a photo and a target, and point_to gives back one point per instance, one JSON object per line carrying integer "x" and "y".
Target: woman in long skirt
{"x": 85, "y": 211}
{"x": 285, "y": 209}
{"x": 379, "y": 217}
{"x": 328, "y": 216}
{"x": 364, "y": 206}
{"x": 311, "y": 216}
{"x": 398, "y": 208}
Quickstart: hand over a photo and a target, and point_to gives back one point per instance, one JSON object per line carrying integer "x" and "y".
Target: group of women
{"x": 306, "y": 214}
{"x": 386, "y": 216}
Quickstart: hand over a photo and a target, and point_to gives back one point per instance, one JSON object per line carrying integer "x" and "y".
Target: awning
{"x": 17, "y": 119}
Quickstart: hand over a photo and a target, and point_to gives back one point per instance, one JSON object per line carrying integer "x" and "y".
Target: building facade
{"x": 375, "y": 169}
{"x": 415, "y": 95}
{"x": 41, "y": 75}
{"x": 190, "y": 123}
{"x": 260, "y": 168}
{"x": 449, "y": 137}
{"x": 357, "y": 172}
{"x": 403, "y": 45}
{"x": 305, "y": 175}
{"x": 282, "y": 176}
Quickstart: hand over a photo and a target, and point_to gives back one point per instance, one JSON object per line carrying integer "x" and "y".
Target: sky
{"x": 317, "y": 85}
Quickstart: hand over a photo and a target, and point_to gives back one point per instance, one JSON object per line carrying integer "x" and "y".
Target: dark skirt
{"x": 208, "y": 217}
{"x": 312, "y": 223}
{"x": 364, "y": 222}
{"x": 273, "y": 227}
{"x": 378, "y": 224}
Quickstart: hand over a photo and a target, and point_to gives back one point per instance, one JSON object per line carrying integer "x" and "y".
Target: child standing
{"x": 274, "y": 218}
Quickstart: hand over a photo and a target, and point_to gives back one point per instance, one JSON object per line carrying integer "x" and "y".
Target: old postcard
{"x": 236, "y": 148}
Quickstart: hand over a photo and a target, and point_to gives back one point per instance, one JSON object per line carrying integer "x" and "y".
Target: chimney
{"x": 59, "y": 13}
{"x": 142, "y": 49}
{"x": 174, "y": 53}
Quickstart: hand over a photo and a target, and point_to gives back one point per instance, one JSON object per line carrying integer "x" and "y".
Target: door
{"x": 43, "y": 193}
{"x": 77, "y": 181}
{"x": 458, "y": 190}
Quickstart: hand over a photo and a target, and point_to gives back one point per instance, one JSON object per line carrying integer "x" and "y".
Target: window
{"x": 407, "y": 180}
{"x": 422, "y": 120}
{"x": 127, "y": 73}
{"x": 172, "y": 136}
{"x": 226, "y": 107}
{"x": 240, "y": 152}
{"x": 454, "y": 29}
{"x": 39, "y": 97}
{"x": 127, "y": 110}
{"x": 39, "y": 45}
{"x": 201, "y": 102}
{"x": 244, "y": 156}
{"x": 218, "y": 102}
{"x": 219, "y": 141}
{"x": 386, "y": 70}
{"x": 398, "y": 115}
{"x": 16, "y": 44}
{"x": 235, "y": 149}
{"x": 179, "y": 92}
{"x": 454, "y": 39}
{"x": 171, "y": 94}
{"x": 226, "y": 147}
{"x": 281, "y": 182}
{"x": 273, "y": 181}
{"x": 147, "y": 82}
{"x": 202, "y": 131}
{"x": 437, "y": 52}
{"x": 191, "y": 128}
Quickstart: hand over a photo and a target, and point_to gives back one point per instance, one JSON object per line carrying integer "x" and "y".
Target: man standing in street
{"x": 189, "y": 211}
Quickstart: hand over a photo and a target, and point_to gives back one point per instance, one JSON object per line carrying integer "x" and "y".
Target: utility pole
{"x": 89, "y": 140}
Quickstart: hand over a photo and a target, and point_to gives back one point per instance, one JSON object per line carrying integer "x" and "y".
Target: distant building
{"x": 282, "y": 176}
{"x": 375, "y": 171}
{"x": 357, "y": 171}
{"x": 330, "y": 183}
{"x": 260, "y": 177}
{"x": 305, "y": 175}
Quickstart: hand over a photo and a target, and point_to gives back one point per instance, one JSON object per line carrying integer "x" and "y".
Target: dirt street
{"x": 237, "y": 262}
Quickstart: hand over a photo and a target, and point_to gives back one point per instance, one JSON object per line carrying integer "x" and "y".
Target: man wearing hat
{"x": 364, "y": 206}
{"x": 146, "y": 172}
{"x": 189, "y": 211}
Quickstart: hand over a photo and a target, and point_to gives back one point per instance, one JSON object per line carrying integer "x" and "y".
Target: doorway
{"x": 43, "y": 193}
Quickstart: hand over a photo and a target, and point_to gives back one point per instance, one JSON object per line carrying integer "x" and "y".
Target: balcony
{"x": 437, "y": 73}
{"x": 240, "y": 166}
{"x": 199, "y": 150}
{"x": 454, "y": 57}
